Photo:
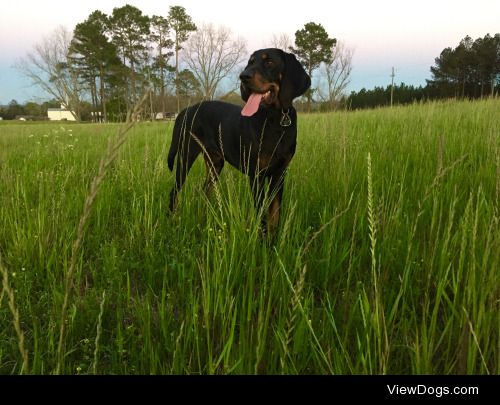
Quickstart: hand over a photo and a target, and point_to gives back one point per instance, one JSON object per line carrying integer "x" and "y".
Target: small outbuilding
{"x": 60, "y": 114}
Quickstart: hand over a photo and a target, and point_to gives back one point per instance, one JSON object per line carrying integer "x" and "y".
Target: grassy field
{"x": 387, "y": 259}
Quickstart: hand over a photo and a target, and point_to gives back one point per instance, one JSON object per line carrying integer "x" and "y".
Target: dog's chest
{"x": 275, "y": 151}
{"x": 266, "y": 145}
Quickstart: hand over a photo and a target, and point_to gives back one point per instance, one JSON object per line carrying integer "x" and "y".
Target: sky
{"x": 406, "y": 35}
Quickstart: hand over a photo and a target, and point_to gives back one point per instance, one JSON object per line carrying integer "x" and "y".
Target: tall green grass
{"x": 386, "y": 261}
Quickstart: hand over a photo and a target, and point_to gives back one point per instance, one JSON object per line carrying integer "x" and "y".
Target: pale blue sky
{"x": 405, "y": 34}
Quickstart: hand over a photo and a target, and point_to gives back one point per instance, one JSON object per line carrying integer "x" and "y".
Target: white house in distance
{"x": 60, "y": 114}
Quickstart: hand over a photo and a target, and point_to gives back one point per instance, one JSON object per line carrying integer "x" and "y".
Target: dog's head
{"x": 272, "y": 78}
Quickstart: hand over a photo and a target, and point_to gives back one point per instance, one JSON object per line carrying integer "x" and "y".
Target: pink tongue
{"x": 252, "y": 105}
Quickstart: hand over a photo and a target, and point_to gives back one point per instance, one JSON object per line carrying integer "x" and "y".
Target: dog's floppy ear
{"x": 295, "y": 80}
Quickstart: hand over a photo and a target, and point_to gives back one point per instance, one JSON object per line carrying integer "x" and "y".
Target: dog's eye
{"x": 269, "y": 62}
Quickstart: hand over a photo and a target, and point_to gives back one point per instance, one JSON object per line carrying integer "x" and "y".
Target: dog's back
{"x": 201, "y": 120}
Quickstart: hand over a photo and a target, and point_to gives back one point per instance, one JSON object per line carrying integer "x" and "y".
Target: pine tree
{"x": 94, "y": 57}
{"x": 182, "y": 25}
{"x": 313, "y": 46}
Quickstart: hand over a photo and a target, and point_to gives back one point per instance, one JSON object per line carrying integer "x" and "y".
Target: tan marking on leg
{"x": 274, "y": 215}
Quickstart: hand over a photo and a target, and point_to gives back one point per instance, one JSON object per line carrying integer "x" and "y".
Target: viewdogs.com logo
{"x": 432, "y": 391}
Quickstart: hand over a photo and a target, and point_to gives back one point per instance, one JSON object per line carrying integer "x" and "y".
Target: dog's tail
{"x": 174, "y": 146}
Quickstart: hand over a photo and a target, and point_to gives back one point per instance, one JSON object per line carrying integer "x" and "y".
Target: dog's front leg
{"x": 276, "y": 194}
{"x": 257, "y": 185}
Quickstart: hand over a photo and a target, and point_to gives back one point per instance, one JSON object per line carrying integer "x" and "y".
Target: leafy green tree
{"x": 464, "y": 59}
{"x": 94, "y": 57}
{"x": 380, "y": 96}
{"x": 182, "y": 25}
{"x": 187, "y": 85}
{"x": 130, "y": 33}
{"x": 445, "y": 73}
{"x": 13, "y": 110}
{"x": 472, "y": 69}
{"x": 160, "y": 36}
{"x": 313, "y": 46}
{"x": 33, "y": 109}
{"x": 487, "y": 55}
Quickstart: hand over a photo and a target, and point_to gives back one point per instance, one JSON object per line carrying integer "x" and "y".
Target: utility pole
{"x": 392, "y": 84}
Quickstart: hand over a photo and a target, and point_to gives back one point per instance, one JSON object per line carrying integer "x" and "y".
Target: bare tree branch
{"x": 337, "y": 73}
{"x": 47, "y": 67}
{"x": 212, "y": 55}
{"x": 282, "y": 41}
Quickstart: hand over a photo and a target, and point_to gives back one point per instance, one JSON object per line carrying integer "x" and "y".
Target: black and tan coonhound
{"x": 259, "y": 139}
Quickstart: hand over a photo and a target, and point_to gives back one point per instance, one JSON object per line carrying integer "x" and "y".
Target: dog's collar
{"x": 285, "y": 121}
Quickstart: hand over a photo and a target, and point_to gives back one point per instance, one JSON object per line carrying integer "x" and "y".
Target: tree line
{"x": 99, "y": 70}
{"x": 30, "y": 110}
{"x": 108, "y": 61}
{"x": 470, "y": 70}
